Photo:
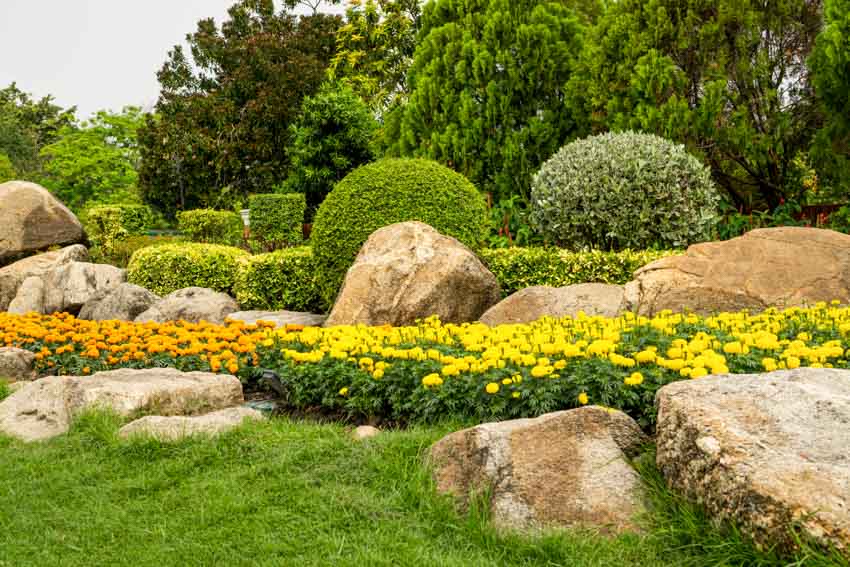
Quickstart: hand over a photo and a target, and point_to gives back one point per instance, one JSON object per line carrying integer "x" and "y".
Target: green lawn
{"x": 285, "y": 493}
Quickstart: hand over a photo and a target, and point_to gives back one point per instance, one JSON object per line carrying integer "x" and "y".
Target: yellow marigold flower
{"x": 378, "y": 373}
{"x": 699, "y": 372}
{"x": 769, "y": 364}
{"x": 343, "y": 391}
{"x": 432, "y": 380}
{"x": 86, "y": 370}
{"x": 582, "y": 399}
{"x": 507, "y": 382}
{"x": 645, "y": 356}
{"x": 492, "y": 388}
{"x": 733, "y": 348}
{"x": 792, "y": 362}
{"x": 515, "y": 395}
{"x": 635, "y": 379}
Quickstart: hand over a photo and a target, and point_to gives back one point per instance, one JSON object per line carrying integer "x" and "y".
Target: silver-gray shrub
{"x": 624, "y": 190}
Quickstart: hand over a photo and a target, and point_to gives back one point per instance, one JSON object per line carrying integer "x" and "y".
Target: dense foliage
{"x": 224, "y": 114}
{"x": 211, "y": 227}
{"x": 331, "y": 136}
{"x": 107, "y": 225}
{"x": 624, "y": 190}
{"x": 278, "y": 280}
{"x": 518, "y": 268}
{"x": 277, "y": 220}
{"x": 7, "y": 169}
{"x": 374, "y": 49}
{"x": 96, "y": 161}
{"x": 726, "y": 77}
{"x": 384, "y": 193}
{"x": 486, "y": 89}
{"x": 169, "y": 267}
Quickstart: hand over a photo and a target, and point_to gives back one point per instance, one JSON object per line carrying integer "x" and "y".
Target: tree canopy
{"x": 223, "y": 116}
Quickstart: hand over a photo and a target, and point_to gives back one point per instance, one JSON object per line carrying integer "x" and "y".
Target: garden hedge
{"x": 277, "y": 219}
{"x": 278, "y": 280}
{"x": 519, "y": 268}
{"x": 211, "y": 227}
{"x": 107, "y": 224}
{"x": 169, "y": 267}
{"x": 387, "y": 192}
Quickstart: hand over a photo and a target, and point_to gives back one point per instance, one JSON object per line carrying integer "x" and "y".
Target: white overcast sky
{"x": 95, "y": 54}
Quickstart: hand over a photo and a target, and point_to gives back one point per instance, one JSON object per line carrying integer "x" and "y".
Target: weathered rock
{"x": 192, "y": 304}
{"x": 409, "y": 271}
{"x": 32, "y": 219}
{"x": 13, "y": 275}
{"x": 45, "y": 408}
{"x": 280, "y": 318}
{"x": 173, "y": 428}
{"x": 768, "y": 267}
{"x": 30, "y": 297}
{"x": 763, "y": 450}
{"x": 16, "y": 364}
{"x": 69, "y": 286}
{"x": 365, "y": 432}
{"x": 124, "y": 302}
{"x": 532, "y": 303}
{"x": 566, "y": 468}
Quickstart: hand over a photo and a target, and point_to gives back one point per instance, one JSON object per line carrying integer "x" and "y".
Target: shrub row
{"x": 277, "y": 219}
{"x": 519, "y": 268}
{"x": 108, "y": 224}
{"x": 286, "y": 279}
{"x": 211, "y": 227}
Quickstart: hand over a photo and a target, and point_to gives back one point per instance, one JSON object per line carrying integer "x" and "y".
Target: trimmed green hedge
{"x": 211, "y": 227}
{"x": 107, "y": 224}
{"x": 519, "y": 268}
{"x": 387, "y": 192}
{"x": 278, "y": 280}
{"x": 169, "y": 267}
{"x": 277, "y": 219}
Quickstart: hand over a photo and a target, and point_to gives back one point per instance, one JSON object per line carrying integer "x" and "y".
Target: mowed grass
{"x": 286, "y": 493}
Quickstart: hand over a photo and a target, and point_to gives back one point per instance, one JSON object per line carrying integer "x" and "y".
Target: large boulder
{"x": 16, "y": 364}
{"x": 124, "y": 302}
{"x": 280, "y": 318}
{"x": 532, "y": 303}
{"x": 30, "y": 297}
{"x": 568, "y": 468}
{"x": 409, "y": 271}
{"x": 69, "y": 286}
{"x": 45, "y": 408}
{"x": 192, "y": 304}
{"x": 768, "y": 267}
{"x": 32, "y": 219}
{"x": 173, "y": 428}
{"x": 765, "y": 451}
{"x": 13, "y": 275}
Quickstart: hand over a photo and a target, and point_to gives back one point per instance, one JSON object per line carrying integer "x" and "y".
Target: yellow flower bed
{"x": 434, "y": 370}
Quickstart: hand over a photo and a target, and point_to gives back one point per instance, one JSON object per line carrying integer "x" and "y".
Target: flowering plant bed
{"x": 433, "y": 371}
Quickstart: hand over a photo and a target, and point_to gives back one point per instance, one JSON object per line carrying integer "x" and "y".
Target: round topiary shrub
{"x": 624, "y": 190}
{"x": 386, "y": 192}
{"x": 169, "y": 267}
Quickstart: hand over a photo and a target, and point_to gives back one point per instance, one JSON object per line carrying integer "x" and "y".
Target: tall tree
{"x": 222, "y": 120}
{"x": 830, "y": 65}
{"x": 27, "y": 125}
{"x": 487, "y": 89}
{"x": 726, "y": 77}
{"x": 375, "y": 49}
{"x": 96, "y": 161}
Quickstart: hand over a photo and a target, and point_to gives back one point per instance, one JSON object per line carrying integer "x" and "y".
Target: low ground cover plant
{"x": 431, "y": 372}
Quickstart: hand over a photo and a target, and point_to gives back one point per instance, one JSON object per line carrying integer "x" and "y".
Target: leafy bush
{"x": 7, "y": 169}
{"x": 169, "y": 267}
{"x": 519, "y": 268}
{"x": 211, "y": 227}
{"x": 624, "y": 190}
{"x": 278, "y": 280}
{"x": 125, "y": 248}
{"x": 276, "y": 220}
{"x": 386, "y": 192}
{"x": 332, "y": 136}
{"x": 106, "y": 225}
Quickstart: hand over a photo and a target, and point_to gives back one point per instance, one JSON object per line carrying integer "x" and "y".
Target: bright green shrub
{"x": 169, "y": 267}
{"x": 519, "y": 268}
{"x": 125, "y": 248}
{"x": 7, "y": 170}
{"x": 386, "y": 192}
{"x": 278, "y": 280}
{"x": 277, "y": 219}
{"x": 211, "y": 227}
{"x": 106, "y": 225}
{"x": 624, "y": 190}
